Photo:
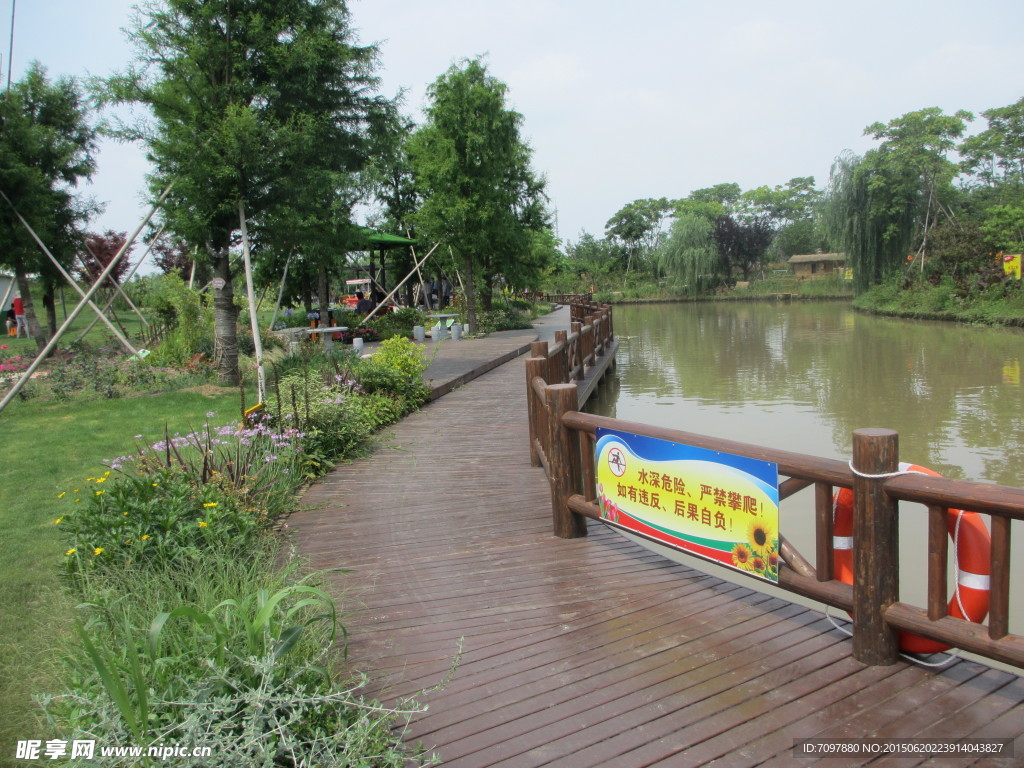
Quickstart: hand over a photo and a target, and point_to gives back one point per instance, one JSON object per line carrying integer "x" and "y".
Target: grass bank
{"x": 1000, "y": 304}
{"x": 638, "y": 291}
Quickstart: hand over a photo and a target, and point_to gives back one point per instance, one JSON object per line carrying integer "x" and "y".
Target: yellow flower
{"x": 58, "y": 520}
{"x": 100, "y": 493}
{"x": 89, "y": 479}
{"x": 70, "y": 552}
{"x": 62, "y": 494}
{"x": 97, "y": 552}
{"x": 155, "y": 484}
{"x": 127, "y": 541}
{"x": 145, "y": 536}
{"x": 210, "y": 504}
{"x": 107, "y": 473}
{"x": 741, "y": 556}
{"x": 101, "y": 480}
{"x": 202, "y": 524}
{"x": 75, "y": 491}
{"x": 762, "y": 535}
{"x": 125, "y": 514}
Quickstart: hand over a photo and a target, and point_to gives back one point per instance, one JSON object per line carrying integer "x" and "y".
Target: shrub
{"x": 398, "y": 323}
{"x": 397, "y": 368}
{"x": 501, "y": 319}
{"x": 187, "y": 318}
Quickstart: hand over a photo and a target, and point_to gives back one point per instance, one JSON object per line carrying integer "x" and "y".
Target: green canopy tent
{"x": 369, "y": 240}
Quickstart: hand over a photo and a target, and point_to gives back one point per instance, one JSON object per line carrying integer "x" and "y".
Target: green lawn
{"x": 50, "y": 448}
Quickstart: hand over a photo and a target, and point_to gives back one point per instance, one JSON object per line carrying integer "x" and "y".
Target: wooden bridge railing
{"x": 562, "y": 440}
{"x": 567, "y": 360}
{"x": 557, "y": 298}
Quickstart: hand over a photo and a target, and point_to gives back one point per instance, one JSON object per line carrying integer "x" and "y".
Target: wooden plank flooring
{"x": 591, "y": 651}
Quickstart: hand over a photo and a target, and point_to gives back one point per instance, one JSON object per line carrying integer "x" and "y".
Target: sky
{"x": 628, "y": 99}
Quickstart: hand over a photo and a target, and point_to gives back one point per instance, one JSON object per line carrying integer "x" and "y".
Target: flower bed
{"x": 189, "y": 629}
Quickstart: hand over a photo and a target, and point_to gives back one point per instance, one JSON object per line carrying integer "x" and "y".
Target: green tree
{"x": 742, "y": 243}
{"x": 882, "y": 205}
{"x": 725, "y": 195}
{"x": 995, "y": 158}
{"x": 588, "y": 264}
{"x": 639, "y": 227}
{"x": 690, "y": 254}
{"x": 252, "y": 99}
{"x": 46, "y": 147}
{"x": 390, "y": 178}
{"x": 782, "y": 204}
{"x": 480, "y": 196}
{"x": 996, "y": 155}
{"x": 791, "y": 209}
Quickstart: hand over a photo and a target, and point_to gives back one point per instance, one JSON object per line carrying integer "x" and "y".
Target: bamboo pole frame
{"x": 404, "y": 279}
{"x": 134, "y": 269}
{"x": 12, "y": 393}
{"x": 86, "y": 298}
{"x": 261, "y": 376}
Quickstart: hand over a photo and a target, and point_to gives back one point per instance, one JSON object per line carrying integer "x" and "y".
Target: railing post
{"x": 590, "y": 351}
{"x": 875, "y": 548}
{"x": 564, "y": 463}
{"x": 576, "y": 358}
{"x": 535, "y": 367}
{"x": 560, "y": 372}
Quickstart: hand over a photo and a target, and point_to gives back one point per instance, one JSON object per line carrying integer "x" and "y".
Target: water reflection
{"x": 803, "y": 376}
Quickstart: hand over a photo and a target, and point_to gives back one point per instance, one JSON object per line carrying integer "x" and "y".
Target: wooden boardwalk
{"x": 591, "y": 651}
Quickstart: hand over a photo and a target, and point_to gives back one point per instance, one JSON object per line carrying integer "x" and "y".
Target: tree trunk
{"x": 487, "y": 294}
{"x": 51, "y": 308}
{"x": 34, "y": 329}
{"x": 307, "y": 294}
{"x": 470, "y": 294}
{"x": 323, "y": 292}
{"x": 225, "y": 320}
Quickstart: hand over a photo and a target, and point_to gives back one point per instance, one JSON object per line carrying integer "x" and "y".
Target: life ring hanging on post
{"x": 971, "y": 548}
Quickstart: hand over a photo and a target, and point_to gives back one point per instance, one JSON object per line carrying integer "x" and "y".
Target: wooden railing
{"x": 573, "y": 351}
{"x": 562, "y": 441}
{"x": 558, "y": 298}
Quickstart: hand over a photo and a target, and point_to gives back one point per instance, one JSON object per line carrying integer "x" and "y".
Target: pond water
{"x": 803, "y": 376}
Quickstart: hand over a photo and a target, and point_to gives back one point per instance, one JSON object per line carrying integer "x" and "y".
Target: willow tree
{"x": 480, "y": 195}
{"x": 689, "y": 254}
{"x": 880, "y": 207}
{"x": 250, "y": 97}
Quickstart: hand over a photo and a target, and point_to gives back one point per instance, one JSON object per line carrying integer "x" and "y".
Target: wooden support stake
{"x": 564, "y": 463}
{"x": 876, "y": 547}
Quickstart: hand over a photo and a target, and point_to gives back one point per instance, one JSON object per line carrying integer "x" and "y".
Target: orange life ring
{"x": 971, "y": 547}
